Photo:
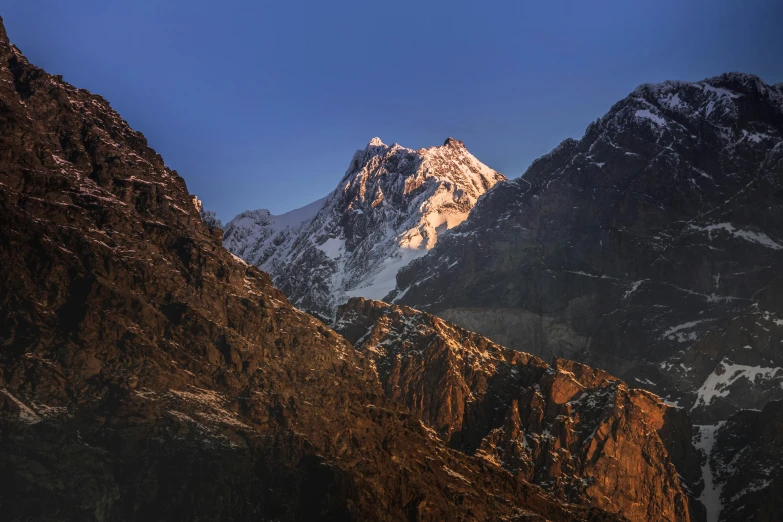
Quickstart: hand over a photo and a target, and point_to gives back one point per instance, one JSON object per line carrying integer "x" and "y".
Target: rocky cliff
{"x": 147, "y": 374}
{"x": 747, "y": 464}
{"x": 578, "y": 432}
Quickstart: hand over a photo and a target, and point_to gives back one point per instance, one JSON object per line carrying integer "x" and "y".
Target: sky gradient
{"x": 262, "y": 104}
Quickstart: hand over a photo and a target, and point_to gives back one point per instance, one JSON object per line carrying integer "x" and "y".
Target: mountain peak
{"x": 391, "y": 206}
{"x": 455, "y": 143}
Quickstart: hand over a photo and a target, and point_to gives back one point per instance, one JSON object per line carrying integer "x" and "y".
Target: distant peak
{"x": 376, "y": 142}
{"x": 455, "y": 143}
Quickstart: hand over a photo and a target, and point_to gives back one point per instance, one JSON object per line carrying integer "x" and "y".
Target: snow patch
{"x": 718, "y": 383}
{"x": 634, "y": 287}
{"x": 676, "y": 332}
{"x": 332, "y": 247}
{"x": 710, "y": 496}
{"x": 755, "y": 137}
{"x": 759, "y": 238}
{"x": 646, "y": 114}
{"x": 26, "y": 415}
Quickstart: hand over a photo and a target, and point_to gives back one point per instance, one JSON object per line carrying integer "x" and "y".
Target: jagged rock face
{"x": 391, "y": 207}
{"x": 147, "y": 374}
{"x": 748, "y": 461}
{"x": 743, "y": 465}
{"x": 738, "y": 364}
{"x": 208, "y": 217}
{"x": 634, "y": 248}
{"x": 576, "y": 431}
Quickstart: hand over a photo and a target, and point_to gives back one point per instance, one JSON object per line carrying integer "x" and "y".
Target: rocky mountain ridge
{"x": 255, "y": 235}
{"x": 745, "y": 463}
{"x": 149, "y": 374}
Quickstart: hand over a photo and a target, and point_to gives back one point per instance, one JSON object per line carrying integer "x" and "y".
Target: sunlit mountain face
{"x": 390, "y": 208}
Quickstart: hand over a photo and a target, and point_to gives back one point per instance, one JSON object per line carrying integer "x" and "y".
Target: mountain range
{"x": 652, "y": 248}
{"x": 152, "y": 370}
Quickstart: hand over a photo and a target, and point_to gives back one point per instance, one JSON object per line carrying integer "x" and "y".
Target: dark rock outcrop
{"x": 743, "y": 465}
{"x": 578, "y": 432}
{"x": 746, "y": 462}
{"x": 147, "y": 374}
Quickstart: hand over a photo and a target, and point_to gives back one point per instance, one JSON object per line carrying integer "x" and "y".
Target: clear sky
{"x": 261, "y": 104}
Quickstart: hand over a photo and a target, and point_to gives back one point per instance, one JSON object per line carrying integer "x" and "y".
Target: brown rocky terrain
{"x": 147, "y": 374}
{"x": 578, "y": 432}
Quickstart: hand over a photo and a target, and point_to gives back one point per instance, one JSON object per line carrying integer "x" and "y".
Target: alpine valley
{"x": 598, "y": 340}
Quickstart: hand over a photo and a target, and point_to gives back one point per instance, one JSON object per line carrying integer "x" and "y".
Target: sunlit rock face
{"x": 578, "y": 432}
{"x": 391, "y": 207}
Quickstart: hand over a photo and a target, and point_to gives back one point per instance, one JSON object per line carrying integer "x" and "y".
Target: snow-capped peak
{"x": 376, "y": 142}
{"x": 390, "y": 207}
{"x": 455, "y": 143}
{"x": 715, "y": 97}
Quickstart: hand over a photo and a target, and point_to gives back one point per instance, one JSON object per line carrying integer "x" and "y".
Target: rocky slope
{"x": 390, "y": 208}
{"x": 146, "y": 373}
{"x": 578, "y": 432}
{"x": 746, "y": 464}
{"x": 652, "y": 248}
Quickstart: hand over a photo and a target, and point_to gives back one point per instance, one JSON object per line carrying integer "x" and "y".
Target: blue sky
{"x": 261, "y": 104}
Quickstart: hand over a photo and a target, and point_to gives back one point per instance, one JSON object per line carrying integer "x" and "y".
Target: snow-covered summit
{"x": 736, "y": 113}
{"x": 389, "y": 208}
